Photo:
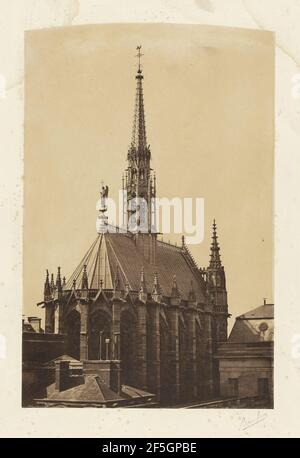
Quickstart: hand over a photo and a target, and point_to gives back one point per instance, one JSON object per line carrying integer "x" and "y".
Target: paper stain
{"x": 205, "y": 5}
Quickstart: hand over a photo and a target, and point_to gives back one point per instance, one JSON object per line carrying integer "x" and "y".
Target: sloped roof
{"x": 257, "y": 325}
{"x": 261, "y": 312}
{"x": 93, "y": 390}
{"x": 118, "y": 249}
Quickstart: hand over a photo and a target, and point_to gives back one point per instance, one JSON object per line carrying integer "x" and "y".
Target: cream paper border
{"x": 280, "y": 16}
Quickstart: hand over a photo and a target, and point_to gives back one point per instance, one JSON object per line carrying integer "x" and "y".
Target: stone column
{"x": 153, "y": 339}
{"x": 116, "y": 317}
{"x": 191, "y": 353}
{"x": 141, "y": 346}
{"x": 61, "y": 327}
{"x": 49, "y": 318}
{"x": 174, "y": 353}
{"x": 209, "y": 355}
{"x": 84, "y": 307}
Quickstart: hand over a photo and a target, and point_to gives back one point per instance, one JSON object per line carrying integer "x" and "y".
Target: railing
{"x": 238, "y": 403}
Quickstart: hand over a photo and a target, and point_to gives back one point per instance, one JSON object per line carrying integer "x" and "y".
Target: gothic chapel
{"x": 142, "y": 302}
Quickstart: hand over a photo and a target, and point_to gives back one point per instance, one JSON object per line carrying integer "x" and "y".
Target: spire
{"x": 215, "y": 260}
{"x": 52, "y": 284}
{"x": 156, "y": 291}
{"x": 175, "y": 290}
{"x": 143, "y": 287}
{"x": 192, "y": 295}
{"x": 117, "y": 283}
{"x": 47, "y": 287}
{"x": 127, "y": 287}
{"x": 58, "y": 280}
{"x": 64, "y": 282}
{"x": 139, "y": 179}
{"x": 139, "y": 140}
{"x": 84, "y": 281}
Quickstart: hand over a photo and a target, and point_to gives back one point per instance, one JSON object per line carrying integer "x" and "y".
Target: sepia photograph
{"x": 148, "y": 217}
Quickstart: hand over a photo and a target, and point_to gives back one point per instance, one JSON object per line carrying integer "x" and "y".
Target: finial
{"x": 117, "y": 280}
{"x": 58, "y": 279}
{"x": 183, "y": 241}
{"x": 84, "y": 281}
{"x": 143, "y": 287}
{"x": 74, "y": 283}
{"x": 52, "y": 282}
{"x": 47, "y": 289}
{"x": 127, "y": 287}
{"x": 215, "y": 260}
{"x": 214, "y": 227}
{"x": 139, "y": 55}
{"x": 156, "y": 291}
{"x": 175, "y": 290}
{"x": 64, "y": 282}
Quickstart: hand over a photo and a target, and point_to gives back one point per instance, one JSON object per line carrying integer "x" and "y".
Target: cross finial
{"x": 139, "y": 55}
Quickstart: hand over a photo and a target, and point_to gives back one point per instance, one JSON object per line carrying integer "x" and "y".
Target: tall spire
{"x": 139, "y": 179}
{"x": 139, "y": 140}
{"x": 215, "y": 260}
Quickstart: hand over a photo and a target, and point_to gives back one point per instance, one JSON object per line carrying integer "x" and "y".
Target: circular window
{"x": 263, "y": 327}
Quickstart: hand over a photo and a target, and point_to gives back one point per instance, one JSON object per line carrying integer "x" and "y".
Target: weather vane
{"x": 139, "y": 55}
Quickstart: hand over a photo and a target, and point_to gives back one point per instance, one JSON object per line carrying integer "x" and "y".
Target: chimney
{"x": 61, "y": 375}
{"x": 35, "y": 323}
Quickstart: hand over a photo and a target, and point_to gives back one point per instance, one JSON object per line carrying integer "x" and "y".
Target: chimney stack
{"x": 61, "y": 375}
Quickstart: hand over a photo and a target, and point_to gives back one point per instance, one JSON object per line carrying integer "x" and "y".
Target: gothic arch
{"x": 101, "y": 307}
{"x": 129, "y": 308}
{"x": 99, "y": 335}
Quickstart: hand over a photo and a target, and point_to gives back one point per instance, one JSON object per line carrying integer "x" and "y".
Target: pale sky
{"x": 209, "y": 105}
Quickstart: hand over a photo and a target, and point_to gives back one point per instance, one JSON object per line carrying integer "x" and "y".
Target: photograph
{"x": 148, "y": 217}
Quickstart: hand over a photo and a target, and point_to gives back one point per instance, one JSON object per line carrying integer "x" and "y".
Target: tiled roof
{"x": 170, "y": 261}
{"x": 257, "y": 325}
{"x": 262, "y": 312}
{"x": 116, "y": 249}
{"x": 93, "y": 390}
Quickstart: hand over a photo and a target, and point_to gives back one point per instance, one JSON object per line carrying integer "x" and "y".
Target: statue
{"x": 104, "y": 192}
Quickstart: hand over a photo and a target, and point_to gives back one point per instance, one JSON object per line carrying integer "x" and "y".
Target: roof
{"x": 112, "y": 251}
{"x": 261, "y": 312}
{"x": 94, "y": 392}
{"x": 257, "y": 325}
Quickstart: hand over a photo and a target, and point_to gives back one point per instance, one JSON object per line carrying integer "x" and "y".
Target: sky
{"x": 209, "y": 107}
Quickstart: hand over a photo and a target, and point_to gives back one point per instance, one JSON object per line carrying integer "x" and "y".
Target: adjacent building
{"x": 246, "y": 359}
